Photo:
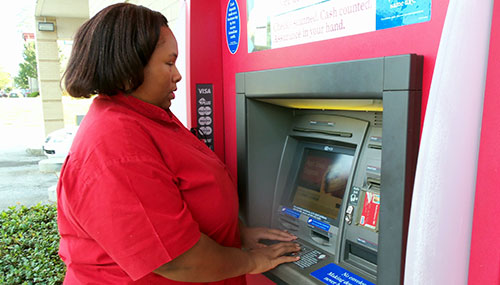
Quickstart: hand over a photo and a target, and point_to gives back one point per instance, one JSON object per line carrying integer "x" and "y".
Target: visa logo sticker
{"x": 336, "y": 275}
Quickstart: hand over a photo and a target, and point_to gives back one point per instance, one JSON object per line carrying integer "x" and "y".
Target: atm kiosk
{"x": 328, "y": 152}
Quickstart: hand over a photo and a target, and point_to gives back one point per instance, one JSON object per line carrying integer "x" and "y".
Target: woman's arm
{"x": 208, "y": 261}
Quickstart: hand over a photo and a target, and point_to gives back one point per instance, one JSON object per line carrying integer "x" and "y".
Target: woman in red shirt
{"x": 140, "y": 199}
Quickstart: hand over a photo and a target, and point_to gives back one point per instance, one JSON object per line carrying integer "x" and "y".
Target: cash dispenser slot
{"x": 331, "y": 133}
{"x": 359, "y": 251}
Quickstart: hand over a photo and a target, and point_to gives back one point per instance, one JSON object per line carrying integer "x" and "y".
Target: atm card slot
{"x": 331, "y": 133}
{"x": 373, "y": 182}
{"x": 373, "y": 175}
{"x": 374, "y": 146}
{"x": 375, "y": 142}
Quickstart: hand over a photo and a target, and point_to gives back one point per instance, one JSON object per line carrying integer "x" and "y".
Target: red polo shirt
{"x": 136, "y": 191}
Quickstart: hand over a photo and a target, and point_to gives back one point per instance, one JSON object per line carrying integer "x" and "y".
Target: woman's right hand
{"x": 208, "y": 261}
{"x": 267, "y": 258}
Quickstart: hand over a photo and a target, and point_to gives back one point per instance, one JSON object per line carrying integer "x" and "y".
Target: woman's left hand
{"x": 250, "y": 237}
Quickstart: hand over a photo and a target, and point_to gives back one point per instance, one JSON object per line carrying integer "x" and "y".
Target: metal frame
{"x": 397, "y": 80}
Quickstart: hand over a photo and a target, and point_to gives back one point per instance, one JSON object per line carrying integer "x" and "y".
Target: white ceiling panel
{"x": 62, "y": 8}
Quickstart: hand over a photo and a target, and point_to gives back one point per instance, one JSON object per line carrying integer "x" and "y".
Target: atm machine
{"x": 328, "y": 152}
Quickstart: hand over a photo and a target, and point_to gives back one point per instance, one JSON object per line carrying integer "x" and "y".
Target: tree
{"x": 28, "y": 68}
{"x": 5, "y": 79}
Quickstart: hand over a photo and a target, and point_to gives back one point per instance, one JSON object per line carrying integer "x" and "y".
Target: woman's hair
{"x": 111, "y": 49}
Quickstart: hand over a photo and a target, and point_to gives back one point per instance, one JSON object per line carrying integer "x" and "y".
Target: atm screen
{"x": 321, "y": 181}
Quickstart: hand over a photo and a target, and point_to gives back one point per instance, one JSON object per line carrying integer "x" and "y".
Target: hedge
{"x": 29, "y": 242}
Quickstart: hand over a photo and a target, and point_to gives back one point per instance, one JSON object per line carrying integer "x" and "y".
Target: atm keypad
{"x": 308, "y": 257}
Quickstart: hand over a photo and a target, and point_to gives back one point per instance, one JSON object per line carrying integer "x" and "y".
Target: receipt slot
{"x": 328, "y": 152}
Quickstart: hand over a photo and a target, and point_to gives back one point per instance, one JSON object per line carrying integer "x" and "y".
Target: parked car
{"x": 14, "y": 95}
{"x": 3, "y": 94}
{"x": 58, "y": 143}
{"x": 23, "y": 92}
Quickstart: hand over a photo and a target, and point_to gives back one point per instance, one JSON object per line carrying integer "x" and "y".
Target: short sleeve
{"x": 135, "y": 212}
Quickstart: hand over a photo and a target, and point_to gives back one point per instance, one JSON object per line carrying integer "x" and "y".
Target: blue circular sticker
{"x": 233, "y": 26}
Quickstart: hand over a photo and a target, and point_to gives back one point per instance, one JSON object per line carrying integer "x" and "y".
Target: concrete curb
{"x": 52, "y": 191}
{"x": 50, "y": 165}
{"x": 34, "y": 151}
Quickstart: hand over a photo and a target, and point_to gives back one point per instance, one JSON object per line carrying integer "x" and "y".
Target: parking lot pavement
{"x": 21, "y": 182}
{"x": 21, "y": 129}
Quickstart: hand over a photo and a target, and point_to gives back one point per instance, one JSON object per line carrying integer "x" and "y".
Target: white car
{"x": 58, "y": 143}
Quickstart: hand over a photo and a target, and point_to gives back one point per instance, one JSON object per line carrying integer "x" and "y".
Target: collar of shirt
{"x": 148, "y": 110}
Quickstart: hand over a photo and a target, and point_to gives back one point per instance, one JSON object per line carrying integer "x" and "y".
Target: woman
{"x": 140, "y": 199}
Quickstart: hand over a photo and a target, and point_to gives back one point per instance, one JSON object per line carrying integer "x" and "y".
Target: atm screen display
{"x": 321, "y": 181}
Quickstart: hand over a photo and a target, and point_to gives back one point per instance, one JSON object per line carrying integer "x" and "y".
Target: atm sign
{"x": 317, "y": 224}
{"x": 290, "y": 212}
{"x": 336, "y": 275}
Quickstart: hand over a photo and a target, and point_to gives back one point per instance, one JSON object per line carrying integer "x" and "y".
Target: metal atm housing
{"x": 365, "y": 113}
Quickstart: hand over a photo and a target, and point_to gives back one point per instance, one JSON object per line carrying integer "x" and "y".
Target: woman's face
{"x": 160, "y": 74}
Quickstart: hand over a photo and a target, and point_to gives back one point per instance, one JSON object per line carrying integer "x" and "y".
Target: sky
{"x": 16, "y": 17}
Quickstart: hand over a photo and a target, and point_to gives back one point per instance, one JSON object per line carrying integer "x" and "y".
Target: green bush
{"x": 29, "y": 242}
{"x": 34, "y": 94}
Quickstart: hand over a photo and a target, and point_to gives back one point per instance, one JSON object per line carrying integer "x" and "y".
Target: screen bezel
{"x": 330, "y": 147}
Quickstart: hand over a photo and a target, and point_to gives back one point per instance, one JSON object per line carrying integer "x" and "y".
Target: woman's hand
{"x": 208, "y": 261}
{"x": 268, "y": 257}
{"x": 250, "y": 237}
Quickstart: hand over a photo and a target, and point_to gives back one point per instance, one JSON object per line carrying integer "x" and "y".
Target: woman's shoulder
{"x": 109, "y": 134}
{"x": 108, "y": 121}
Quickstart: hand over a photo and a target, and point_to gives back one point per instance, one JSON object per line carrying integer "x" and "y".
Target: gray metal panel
{"x": 268, "y": 125}
{"x": 402, "y": 72}
{"x": 241, "y": 152}
{"x": 400, "y": 135}
{"x": 362, "y": 78}
{"x": 240, "y": 83}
